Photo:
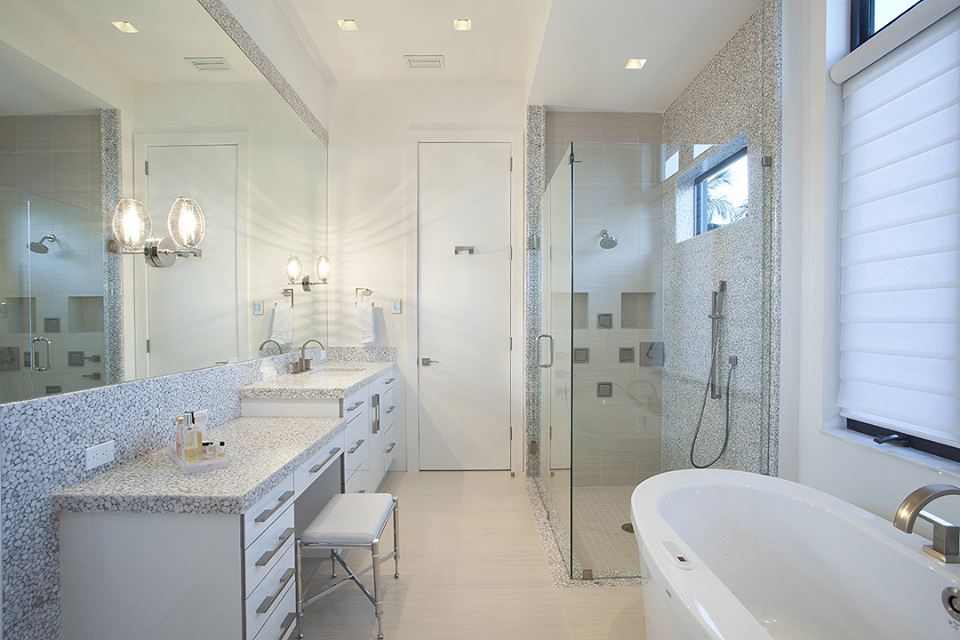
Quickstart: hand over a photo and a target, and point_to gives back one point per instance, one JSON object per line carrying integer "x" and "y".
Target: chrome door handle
{"x": 268, "y": 555}
{"x": 270, "y": 599}
{"x": 333, "y": 454}
{"x": 550, "y": 337}
{"x": 263, "y": 517}
{"x": 34, "y": 362}
{"x": 428, "y": 361}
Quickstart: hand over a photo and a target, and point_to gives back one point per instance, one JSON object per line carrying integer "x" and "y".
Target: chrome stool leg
{"x": 298, "y": 567}
{"x": 396, "y": 538}
{"x": 377, "y": 599}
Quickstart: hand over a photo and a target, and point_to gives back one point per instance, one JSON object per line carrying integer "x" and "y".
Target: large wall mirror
{"x": 152, "y": 105}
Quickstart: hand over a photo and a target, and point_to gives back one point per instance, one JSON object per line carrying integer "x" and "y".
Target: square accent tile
{"x": 581, "y": 355}
{"x": 628, "y": 354}
{"x": 604, "y": 389}
{"x": 605, "y": 321}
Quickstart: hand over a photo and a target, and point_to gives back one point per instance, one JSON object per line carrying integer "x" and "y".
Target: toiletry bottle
{"x": 222, "y": 450}
{"x": 192, "y": 439}
{"x": 180, "y": 437}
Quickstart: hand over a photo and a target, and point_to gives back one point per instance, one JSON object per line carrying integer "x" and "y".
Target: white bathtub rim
{"x": 699, "y": 590}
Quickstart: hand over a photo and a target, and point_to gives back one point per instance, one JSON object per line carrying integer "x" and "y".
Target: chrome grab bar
{"x": 356, "y": 446}
{"x": 268, "y": 555}
{"x": 263, "y": 517}
{"x": 270, "y": 599}
{"x": 550, "y": 337}
{"x": 333, "y": 454}
{"x": 33, "y": 352}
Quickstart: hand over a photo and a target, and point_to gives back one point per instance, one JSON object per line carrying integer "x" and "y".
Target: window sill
{"x": 904, "y": 454}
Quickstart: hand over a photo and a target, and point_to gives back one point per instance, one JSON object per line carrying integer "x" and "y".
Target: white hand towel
{"x": 365, "y": 327}
{"x": 281, "y": 329}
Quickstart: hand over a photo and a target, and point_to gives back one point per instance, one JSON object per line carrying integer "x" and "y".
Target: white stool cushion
{"x": 350, "y": 519}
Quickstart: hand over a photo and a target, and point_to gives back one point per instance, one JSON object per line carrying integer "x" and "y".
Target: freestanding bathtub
{"x": 741, "y": 556}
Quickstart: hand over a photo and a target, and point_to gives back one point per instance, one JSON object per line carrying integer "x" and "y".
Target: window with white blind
{"x": 900, "y": 239}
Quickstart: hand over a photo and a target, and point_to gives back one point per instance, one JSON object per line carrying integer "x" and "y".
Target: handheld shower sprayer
{"x": 712, "y": 389}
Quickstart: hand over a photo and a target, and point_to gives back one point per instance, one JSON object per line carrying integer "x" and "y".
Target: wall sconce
{"x": 131, "y": 229}
{"x": 294, "y": 269}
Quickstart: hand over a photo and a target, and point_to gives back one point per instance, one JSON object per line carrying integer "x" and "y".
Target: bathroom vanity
{"x": 149, "y": 552}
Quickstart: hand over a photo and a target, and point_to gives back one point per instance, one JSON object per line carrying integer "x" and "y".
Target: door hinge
{"x": 511, "y": 163}
{"x": 148, "y": 346}
{"x": 511, "y": 343}
{"x": 511, "y": 253}
{"x": 551, "y": 432}
{"x": 511, "y": 433}
{"x": 146, "y": 167}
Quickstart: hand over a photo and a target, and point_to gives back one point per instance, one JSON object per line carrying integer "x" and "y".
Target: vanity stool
{"x": 349, "y": 521}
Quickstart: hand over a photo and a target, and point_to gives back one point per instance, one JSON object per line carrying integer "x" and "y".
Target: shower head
{"x": 607, "y": 241}
{"x": 41, "y": 247}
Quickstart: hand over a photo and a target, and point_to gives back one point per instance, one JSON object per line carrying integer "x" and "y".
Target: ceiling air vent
{"x": 425, "y": 62}
{"x": 215, "y": 63}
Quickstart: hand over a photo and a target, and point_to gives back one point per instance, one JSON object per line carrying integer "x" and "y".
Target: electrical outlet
{"x": 100, "y": 454}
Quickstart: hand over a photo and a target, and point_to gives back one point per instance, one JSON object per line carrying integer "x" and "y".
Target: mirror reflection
{"x": 153, "y": 190}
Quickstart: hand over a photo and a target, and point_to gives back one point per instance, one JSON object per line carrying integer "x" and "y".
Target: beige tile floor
{"x": 473, "y": 568}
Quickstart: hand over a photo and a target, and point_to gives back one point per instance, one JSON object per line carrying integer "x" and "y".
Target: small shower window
{"x": 722, "y": 193}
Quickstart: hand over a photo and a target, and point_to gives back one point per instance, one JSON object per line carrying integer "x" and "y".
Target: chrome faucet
{"x": 303, "y": 365}
{"x": 268, "y": 341}
{"x": 946, "y": 535}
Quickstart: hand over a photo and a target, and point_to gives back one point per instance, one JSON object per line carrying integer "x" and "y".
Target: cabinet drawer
{"x": 357, "y": 482}
{"x": 328, "y": 456}
{"x": 260, "y": 557}
{"x": 282, "y": 623}
{"x": 259, "y": 518}
{"x": 390, "y": 448}
{"x": 268, "y": 596}
{"x": 389, "y": 413}
{"x": 357, "y": 452}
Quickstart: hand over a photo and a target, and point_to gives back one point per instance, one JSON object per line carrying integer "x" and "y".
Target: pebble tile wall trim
{"x": 535, "y": 184}
{"x": 109, "y": 196}
{"x": 43, "y": 452}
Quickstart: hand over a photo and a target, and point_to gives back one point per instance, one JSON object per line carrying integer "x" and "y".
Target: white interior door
{"x": 464, "y": 305}
{"x": 193, "y": 309}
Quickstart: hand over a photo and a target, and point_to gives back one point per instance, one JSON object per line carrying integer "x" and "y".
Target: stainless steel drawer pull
{"x": 286, "y": 624}
{"x": 333, "y": 454}
{"x": 390, "y": 448}
{"x": 270, "y": 599}
{"x": 356, "y": 405}
{"x": 390, "y": 410}
{"x": 268, "y": 555}
{"x": 390, "y": 381}
{"x": 354, "y": 448}
{"x": 263, "y": 517}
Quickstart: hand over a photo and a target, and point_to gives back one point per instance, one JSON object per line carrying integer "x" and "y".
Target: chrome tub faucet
{"x": 946, "y": 535}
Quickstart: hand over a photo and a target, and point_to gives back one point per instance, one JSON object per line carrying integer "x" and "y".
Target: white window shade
{"x": 900, "y": 239}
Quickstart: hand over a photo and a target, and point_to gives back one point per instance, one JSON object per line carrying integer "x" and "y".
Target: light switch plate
{"x": 258, "y": 308}
{"x": 100, "y": 454}
{"x": 397, "y": 306}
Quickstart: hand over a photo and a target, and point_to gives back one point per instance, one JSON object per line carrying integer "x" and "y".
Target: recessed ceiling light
{"x": 125, "y": 27}
{"x": 348, "y": 25}
{"x": 462, "y": 24}
{"x": 635, "y": 63}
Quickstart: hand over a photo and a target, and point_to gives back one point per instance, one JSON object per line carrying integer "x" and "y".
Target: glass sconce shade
{"x": 294, "y": 269}
{"x": 131, "y": 224}
{"x": 323, "y": 269}
{"x": 185, "y": 223}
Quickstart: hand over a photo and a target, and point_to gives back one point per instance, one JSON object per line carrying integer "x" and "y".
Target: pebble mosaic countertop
{"x": 263, "y": 452}
{"x": 330, "y": 380}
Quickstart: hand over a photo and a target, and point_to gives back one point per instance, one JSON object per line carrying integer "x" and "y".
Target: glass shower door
{"x": 556, "y": 355}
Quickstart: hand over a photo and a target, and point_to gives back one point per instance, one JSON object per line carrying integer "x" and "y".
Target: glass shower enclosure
{"x": 651, "y": 348}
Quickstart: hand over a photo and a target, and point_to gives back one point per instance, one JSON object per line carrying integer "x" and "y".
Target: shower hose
{"x": 703, "y": 407}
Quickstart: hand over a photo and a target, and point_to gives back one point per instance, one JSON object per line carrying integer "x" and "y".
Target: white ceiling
{"x": 29, "y": 88}
{"x": 501, "y": 46}
{"x": 587, "y": 42}
{"x": 169, "y": 31}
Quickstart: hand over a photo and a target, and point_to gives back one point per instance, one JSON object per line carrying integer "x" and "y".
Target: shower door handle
{"x": 550, "y": 337}
{"x": 34, "y": 361}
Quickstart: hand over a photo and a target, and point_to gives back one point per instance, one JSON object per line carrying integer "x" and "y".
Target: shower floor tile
{"x": 599, "y": 542}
